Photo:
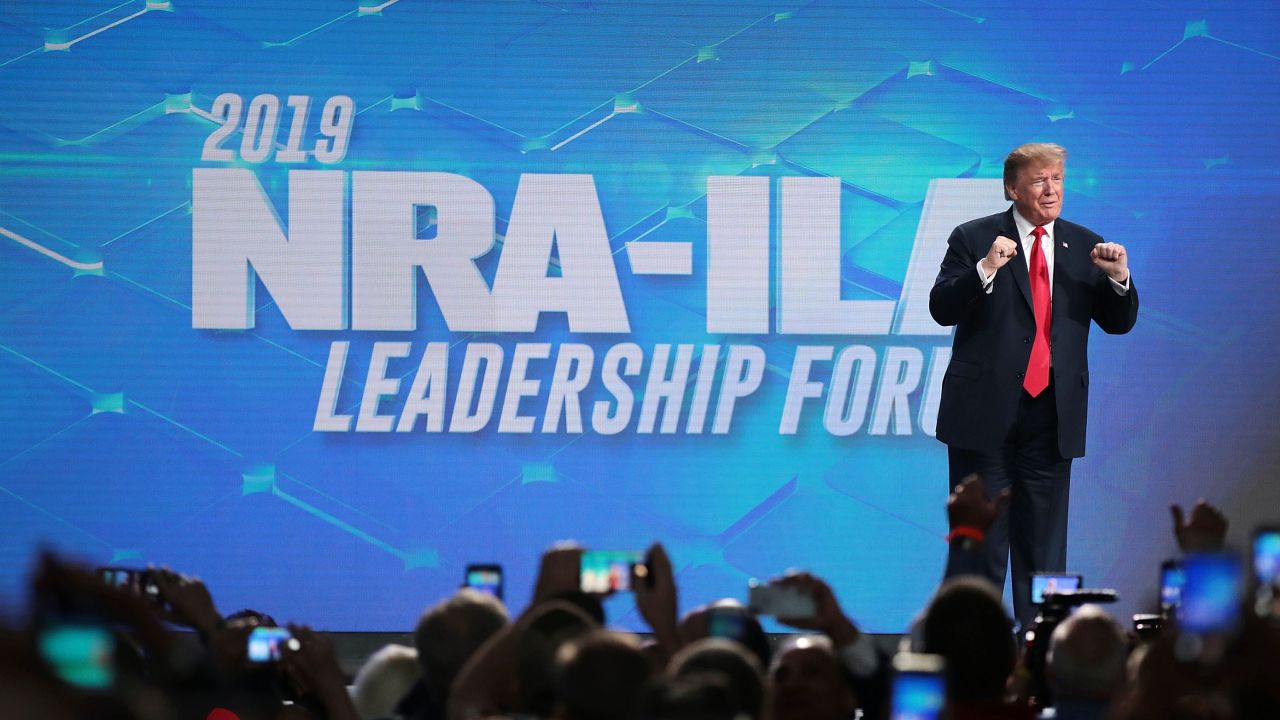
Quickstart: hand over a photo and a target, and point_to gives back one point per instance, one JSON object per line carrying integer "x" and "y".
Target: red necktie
{"x": 1037, "y": 377}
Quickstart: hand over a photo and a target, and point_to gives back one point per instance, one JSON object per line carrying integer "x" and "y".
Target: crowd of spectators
{"x": 93, "y": 648}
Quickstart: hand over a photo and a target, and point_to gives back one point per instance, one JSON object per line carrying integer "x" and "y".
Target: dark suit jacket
{"x": 983, "y": 383}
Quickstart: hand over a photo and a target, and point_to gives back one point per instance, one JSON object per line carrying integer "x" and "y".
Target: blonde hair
{"x": 1028, "y": 155}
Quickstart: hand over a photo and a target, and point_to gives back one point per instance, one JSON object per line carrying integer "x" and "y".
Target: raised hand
{"x": 828, "y": 617}
{"x": 656, "y": 598}
{"x": 309, "y": 662}
{"x": 1112, "y": 259}
{"x": 969, "y": 505}
{"x": 1204, "y": 530}
{"x": 188, "y": 600}
{"x": 1002, "y": 251}
{"x": 559, "y": 572}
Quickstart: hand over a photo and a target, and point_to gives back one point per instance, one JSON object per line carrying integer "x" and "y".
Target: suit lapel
{"x": 1018, "y": 265}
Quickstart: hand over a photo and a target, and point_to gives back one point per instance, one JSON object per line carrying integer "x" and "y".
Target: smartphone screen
{"x": 1171, "y": 581}
{"x": 80, "y": 654}
{"x": 1211, "y": 592}
{"x": 608, "y": 571}
{"x": 134, "y": 581}
{"x": 727, "y": 623}
{"x": 1266, "y": 556}
{"x": 1045, "y": 583}
{"x": 265, "y": 643}
{"x": 485, "y": 578}
{"x": 919, "y": 687}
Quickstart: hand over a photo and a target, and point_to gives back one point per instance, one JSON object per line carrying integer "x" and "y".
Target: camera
{"x": 1048, "y": 583}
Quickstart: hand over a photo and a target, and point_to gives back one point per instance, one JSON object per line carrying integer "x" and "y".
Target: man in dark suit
{"x": 1022, "y": 287}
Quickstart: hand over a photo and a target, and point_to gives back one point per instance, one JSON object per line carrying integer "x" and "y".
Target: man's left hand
{"x": 1112, "y": 259}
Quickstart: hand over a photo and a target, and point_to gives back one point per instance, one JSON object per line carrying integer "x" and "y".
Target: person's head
{"x": 600, "y": 676}
{"x": 1087, "y": 656}
{"x": 450, "y": 631}
{"x": 967, "y": 625}
{"x": 1033, "y": 180}
{"x": 697, "y": 696}
{"x": 738, "y": 666}
{"x": 384, "y": 679}
{"x": 727, "y": 618}
{"x": 806, "y": 682}
{"x": 543, "y": 631}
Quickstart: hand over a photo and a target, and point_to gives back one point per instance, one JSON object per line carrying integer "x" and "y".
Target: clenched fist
{"x": 1111, "y": 259}
{"x": 1002, "y": 251}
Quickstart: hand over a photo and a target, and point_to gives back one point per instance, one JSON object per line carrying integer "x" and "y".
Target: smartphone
{"x": 780, "y": 601}
{"x": 486, "y": 578}
{"x": 82, "y": 654}
{"x": 1046, "y": 583}
{"x": 1171, "y": 581}
{"x": 727, "y": 622}
{"x": 265, "y": 643}
{"x": 602, "y": 572}
{"x": 919, "y": 686}
{"x": 1266, "y": 556}
{"x": 1266, "y": 571}
{"x": 1211, "y": 593}
{"x": 132, "y": 580}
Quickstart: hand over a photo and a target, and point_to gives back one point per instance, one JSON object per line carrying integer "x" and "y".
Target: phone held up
{"x": 486, "y": 578}
{"x": 604, "y": 572}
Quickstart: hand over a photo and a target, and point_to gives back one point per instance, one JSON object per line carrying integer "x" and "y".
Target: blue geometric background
{"x": 128, "y": 437}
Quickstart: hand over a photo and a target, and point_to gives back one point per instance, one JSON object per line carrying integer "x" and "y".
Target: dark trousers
{"x": 1032, "y": 534}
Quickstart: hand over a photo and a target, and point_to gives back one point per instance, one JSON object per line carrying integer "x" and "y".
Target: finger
{"x": 1178, "y": 520}
{"x": 658, "y": 558}
{"x": 791, "y": 579}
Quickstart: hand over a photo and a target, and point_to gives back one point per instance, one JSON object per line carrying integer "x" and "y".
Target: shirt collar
{"x": 1025, "y": 227}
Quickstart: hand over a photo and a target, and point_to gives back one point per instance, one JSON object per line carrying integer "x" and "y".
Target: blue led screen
{"x": 324, "y": 300}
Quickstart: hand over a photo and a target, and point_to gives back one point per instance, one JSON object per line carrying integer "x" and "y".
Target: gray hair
{"x": 1087, "y": 655}
{"x": 450, "y": 631}
{"x": 384, "y": 679}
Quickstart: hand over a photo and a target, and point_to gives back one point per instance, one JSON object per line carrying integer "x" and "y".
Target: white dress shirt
{"x": 1026, "y": 235}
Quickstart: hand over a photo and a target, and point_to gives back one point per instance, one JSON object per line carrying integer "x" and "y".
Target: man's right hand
{"x": 1002, "y": 251}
